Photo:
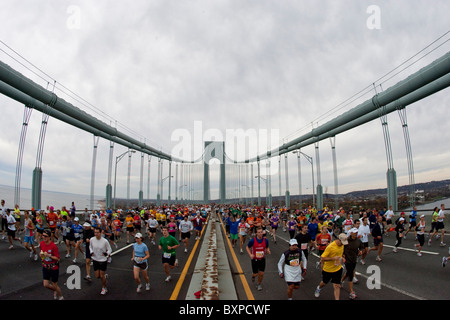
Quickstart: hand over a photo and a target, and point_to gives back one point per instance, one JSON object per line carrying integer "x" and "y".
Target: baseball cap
{"x": 293, "y": 242}
{"x": 343, "y": 239}
{"x": 354, "y": 230}
{"x": 86, "y": 224}
{"x": 138, "y": 235}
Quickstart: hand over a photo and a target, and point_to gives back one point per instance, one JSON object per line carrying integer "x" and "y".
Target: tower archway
{"x": 214, "y": 150}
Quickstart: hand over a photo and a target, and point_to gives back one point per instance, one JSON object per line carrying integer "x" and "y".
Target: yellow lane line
{"x": 247, "y": 290}
{"x": 179, "y": 284}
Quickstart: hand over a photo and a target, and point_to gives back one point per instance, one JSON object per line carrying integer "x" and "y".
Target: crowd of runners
{"x": 341, "y": 239}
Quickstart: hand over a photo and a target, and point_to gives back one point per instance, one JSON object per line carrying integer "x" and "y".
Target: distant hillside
{"x": 426, "y": 187}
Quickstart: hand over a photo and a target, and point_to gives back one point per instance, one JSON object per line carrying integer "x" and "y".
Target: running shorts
{"x": 350, "y": 270}
{"x": 100, "y": 265}
{"x": 258, "y": 265}
{"x": 335, "y": 277}
{"x": 170, "y": 261}
{"x": 185, "y": 235}
{"x": 50, "y": 275}
{"x": 143, "y": 265}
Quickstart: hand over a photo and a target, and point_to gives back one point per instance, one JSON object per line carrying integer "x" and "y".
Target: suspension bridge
{"x": 192, "y": 182}
{"x": 236, "y": 177}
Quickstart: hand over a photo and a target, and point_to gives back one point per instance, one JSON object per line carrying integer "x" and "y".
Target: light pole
{"x": 246, "y": 193}
{"x": 118, "y": 158}
{"x": 310, "y": 160}
{"x": 259, "y": 191}
{"x": 162, "y": 186}
{"x": 181, "y": 192}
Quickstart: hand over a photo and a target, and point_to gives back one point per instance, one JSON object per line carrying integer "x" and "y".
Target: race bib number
{"x": 138, "y": 260}
{"x": 167, "y": 255}
{"x": 304, "y": 246}
{"x": 259, "y": 254}
{"x": 294, "y": 263}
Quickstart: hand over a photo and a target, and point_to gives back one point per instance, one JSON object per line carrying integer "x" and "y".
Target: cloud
{"x": 159, "y": 66}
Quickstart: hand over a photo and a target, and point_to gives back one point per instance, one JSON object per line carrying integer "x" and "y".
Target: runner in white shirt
{"x": 4, "y": 217}
{"x": 11, "y": 228}
{"x": 185, "y": 228}
{"x": 152, "y": 226}
{"x": 100, "y": 251}
{"x": 420, "y": 230}
{"x": 389, "y": 215}
{"x": 242, "y": 231}
{"x": 290, "y": 266}
{"x": 363, "y": 235}
{"x": 440, "y": 224}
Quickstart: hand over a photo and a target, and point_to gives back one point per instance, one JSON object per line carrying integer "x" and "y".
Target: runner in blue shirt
{"x": 313, "y": 228}
{"x": 140, "y": 264}
{"x": 412, "y": 222}
{"x": 77, "y": 231}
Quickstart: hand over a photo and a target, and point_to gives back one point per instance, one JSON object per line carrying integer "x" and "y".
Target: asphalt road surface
{"x": 402, "y": 275}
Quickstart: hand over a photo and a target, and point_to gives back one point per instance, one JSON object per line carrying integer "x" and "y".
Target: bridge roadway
{"x": 403, "y": 275}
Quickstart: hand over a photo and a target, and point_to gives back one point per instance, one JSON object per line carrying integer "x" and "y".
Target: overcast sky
{"x": 165, "y": 68}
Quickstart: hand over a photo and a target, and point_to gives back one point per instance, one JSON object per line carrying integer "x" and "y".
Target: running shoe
{"x": 352, "y": 296}
{"x": 444, "y": 261}
{"x": 419, "y": 254}
{"x": 379, "y": 259}
{"x": 139, "y": 288}
{"x": 104, "y": 291}
{"x": 147, "y": 286}
{"x": 258, "y": 287}
{"x": 317, "y": 292}
{"x": 168, "y": 279}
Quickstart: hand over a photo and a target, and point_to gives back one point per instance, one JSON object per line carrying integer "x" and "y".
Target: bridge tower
{"x": 214, "y": 149}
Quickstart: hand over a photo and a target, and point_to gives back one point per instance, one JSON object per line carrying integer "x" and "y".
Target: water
{"x": 50, "y": 198}
{"x": 59, "y": 199}
{"x": 430, "y": 206}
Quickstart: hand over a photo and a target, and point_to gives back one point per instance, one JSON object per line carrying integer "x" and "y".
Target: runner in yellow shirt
{"x": 129, "y": 224}
{"x": 332, "y": 265}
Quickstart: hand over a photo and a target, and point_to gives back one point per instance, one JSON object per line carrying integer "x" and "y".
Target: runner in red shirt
{"x": 50, "y": 264}
{"x": 257, "y": 248}
{"x": 322, "y": 241}
{"x": 52, "y": 221}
